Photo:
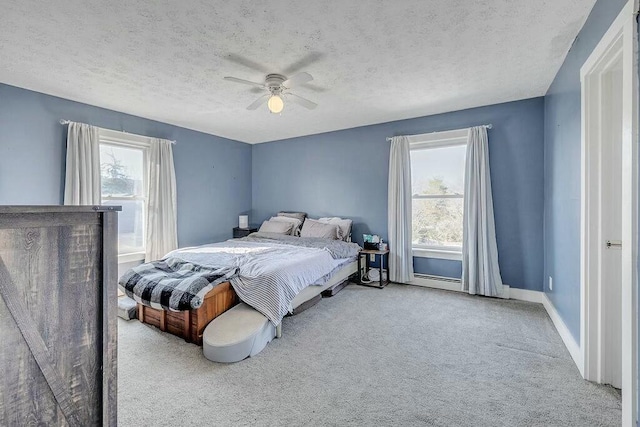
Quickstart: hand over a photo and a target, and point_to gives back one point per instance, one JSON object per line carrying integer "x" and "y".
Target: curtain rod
{"x": 66, "y": 122}
{"x": 489, "y": 126}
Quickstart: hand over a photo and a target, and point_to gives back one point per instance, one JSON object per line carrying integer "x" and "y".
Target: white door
{"x": 609, "y": 212}
{"x": 611, "y": 187}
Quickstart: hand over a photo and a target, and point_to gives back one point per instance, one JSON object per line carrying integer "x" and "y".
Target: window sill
{"x": 437, "y": 253}
{"x": 134, "y": 257}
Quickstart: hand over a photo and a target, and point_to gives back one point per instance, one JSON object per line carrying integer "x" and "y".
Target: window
{"x": 437, "y": 182}
{"x": 123, "y": 168}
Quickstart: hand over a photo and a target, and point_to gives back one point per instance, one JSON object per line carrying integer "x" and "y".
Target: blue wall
{"x": 213, "y": 174}
{"x": 345, "y": 173}
{"x": 562, "y": 168}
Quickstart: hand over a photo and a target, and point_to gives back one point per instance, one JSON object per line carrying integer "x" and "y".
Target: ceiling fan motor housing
{"x": 274, "y": 83}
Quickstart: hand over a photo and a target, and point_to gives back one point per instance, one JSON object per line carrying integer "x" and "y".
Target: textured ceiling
{"x": 373, "y": 61}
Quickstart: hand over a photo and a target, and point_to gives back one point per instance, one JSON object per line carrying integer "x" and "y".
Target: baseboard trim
{"x": 563, "y": 331}
{"x": 526, "y": 295}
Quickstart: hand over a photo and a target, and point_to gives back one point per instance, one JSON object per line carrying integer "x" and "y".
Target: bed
{"x": 273, "y": 273}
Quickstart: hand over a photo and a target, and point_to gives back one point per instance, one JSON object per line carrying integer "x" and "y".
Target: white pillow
{"x": 296, "y": 223}
{"x": 276, "y": 227}
{"x": 313, "y": 228}
{"x": 343, "y": 224}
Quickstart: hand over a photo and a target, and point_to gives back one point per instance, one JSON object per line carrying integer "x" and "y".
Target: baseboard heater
{"x": 448, "y": 284}
{"x": 438, "y": 278}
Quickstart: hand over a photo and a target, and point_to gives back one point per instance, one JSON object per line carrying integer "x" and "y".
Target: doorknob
{"x": 614, "y": 244}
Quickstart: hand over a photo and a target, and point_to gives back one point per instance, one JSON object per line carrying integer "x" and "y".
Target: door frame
{"x": 620, "y": 39}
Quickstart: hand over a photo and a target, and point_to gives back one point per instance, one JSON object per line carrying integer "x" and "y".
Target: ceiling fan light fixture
{"x": 275, "y": 104}
{"x": 276, "y": 86}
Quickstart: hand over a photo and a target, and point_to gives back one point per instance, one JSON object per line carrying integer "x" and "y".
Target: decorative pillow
{"x": 343, "y": 224}
{"x": 276, "y": 227}
{"x": 296, "y": 223}
{"x": 298, "y": 215}
{"x": 313, "y": 228}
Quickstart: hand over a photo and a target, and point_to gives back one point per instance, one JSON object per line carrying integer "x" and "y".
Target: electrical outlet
{"x": 372, "y": 258}
{"x": 550, "y": 283}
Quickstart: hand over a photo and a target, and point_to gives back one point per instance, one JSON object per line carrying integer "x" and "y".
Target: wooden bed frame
{"x": 190, "y": 324}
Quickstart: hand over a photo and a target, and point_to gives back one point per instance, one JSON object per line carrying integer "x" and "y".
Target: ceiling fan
{"x": 278, "y": 87}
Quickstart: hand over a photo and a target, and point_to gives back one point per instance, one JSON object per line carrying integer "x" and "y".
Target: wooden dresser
{"x": 58, "y": 308}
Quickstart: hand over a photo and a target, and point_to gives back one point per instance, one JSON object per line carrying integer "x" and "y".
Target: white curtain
{"x": 400, "y": 252}
{"x": 480, "y": 270}
{"x": 162, "y": 229}
{"x": 82, "y": 176}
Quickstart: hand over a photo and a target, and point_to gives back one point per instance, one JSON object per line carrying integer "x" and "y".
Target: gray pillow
{"x": 313, "y": 228}
{"x": 300, "y": 216}
{"x": 296, "y": 223}
{"x": 276, "y": 227}
{"x": 344, "y": 227}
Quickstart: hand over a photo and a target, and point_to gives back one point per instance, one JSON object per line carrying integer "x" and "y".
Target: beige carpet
{"x": 398, "y": 356}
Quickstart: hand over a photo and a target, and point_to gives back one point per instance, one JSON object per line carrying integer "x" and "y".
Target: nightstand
{"x": 243, "y": 232}
{"x": 378, "y": 255}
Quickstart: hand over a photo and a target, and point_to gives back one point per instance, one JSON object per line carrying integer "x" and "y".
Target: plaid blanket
{"x": 173, "y": 284}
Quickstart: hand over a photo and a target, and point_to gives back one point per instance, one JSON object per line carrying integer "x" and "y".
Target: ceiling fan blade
{"x": 315, "y": 88}
{"x": 302, "y": 101}
{"x": 241, "y": 60}
{"x": 303, "y": 62}
{"x": 296, "y": 80}
{"x": 258, "y": 102}
{"x": 243, "y": 81}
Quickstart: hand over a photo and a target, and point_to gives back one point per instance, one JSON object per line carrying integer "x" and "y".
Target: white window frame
{"x": 114, "y": 138}
{"x": 427, "y": 142}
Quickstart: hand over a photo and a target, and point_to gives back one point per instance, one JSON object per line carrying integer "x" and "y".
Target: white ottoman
{"x": 237, "y": 334}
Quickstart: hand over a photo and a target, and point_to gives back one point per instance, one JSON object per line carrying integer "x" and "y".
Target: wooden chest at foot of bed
{"x": 190, "y": 324}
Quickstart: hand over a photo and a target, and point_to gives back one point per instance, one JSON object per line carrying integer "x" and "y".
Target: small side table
{"x": 378, "y": 254}
{"x": 243, "y": 232}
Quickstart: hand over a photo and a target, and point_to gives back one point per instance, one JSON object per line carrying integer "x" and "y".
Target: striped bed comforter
{"x": 270, "y": 270}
